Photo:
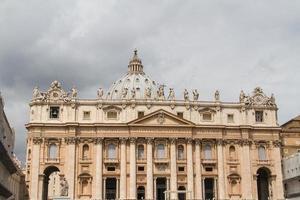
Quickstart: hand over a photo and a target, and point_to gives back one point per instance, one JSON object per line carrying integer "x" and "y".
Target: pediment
{"x": 161, "y": 118}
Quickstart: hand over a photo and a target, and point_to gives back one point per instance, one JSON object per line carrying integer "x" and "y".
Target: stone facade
{"x": 12, "y": 184}
{"x": 137, "y": 142}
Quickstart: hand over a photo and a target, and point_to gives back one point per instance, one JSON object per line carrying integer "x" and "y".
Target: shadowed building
{"x": 136, "y": 142}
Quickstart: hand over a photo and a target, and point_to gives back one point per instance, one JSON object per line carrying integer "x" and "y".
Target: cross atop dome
{"x": 135, "y": 64}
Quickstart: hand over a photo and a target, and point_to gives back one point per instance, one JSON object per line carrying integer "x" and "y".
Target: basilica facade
{"x": 139, "y": 141}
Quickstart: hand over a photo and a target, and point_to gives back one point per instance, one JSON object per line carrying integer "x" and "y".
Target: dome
{"x": 135, "y": 84}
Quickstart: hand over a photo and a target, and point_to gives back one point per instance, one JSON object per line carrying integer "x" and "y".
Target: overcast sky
{"x": 208, "y": 45}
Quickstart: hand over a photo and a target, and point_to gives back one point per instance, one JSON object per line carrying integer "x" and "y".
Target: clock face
{"x": 259, "y": 99}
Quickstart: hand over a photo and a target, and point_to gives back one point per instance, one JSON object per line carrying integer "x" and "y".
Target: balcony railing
{"x": 161, "y": 160}
{"x": 52, "y": 160}
{"x": 264, "y": 162}
{"x": 111, "y": 160}
{"x": 209, "y": 161}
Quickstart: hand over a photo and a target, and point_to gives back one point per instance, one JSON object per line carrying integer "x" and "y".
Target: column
{"x": 149, "y": 191}
{"x": 123, "y": 172}
{"x": 278, "y": 171}
{"x": 104, "y": 188}
{"x": 173, "y": 169}
{"x": 70, "y": 165}
{"x": 154, "y": 187}
{"x": 198, "y": 180}
{"x": 221, "y": 180}
{"x": 190, "y": 168}
{"x": 98, "y": 172}
{"x": 41, "y": 183}
{"x": 132, "y": 181}
{"x": 246, "y": 170}
{"x": 35, "y": 170}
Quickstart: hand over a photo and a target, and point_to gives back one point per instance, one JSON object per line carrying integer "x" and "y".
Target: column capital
{"x": 98, "y": 140}
{"x": 173, "y": 140}
{"x": 123, "y": 140}
{"x": 133, "y": 140}
{"x": 245, "y": 142}
{"x": 197, "y": 141}
{"x": 71, "y": 140}
{"x": 277, "y": 143}
{"x": 189, "y": 140}
{"x": 149, "y": 140}
{"x": 37, "y": 140}
{"x": 220, "y": 142}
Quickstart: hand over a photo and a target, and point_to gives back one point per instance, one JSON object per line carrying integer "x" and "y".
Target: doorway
{"x": 141, "y": 192}
{"x": 52, "y": 172}
{"x": 263, "y": 175}
{"x": 181, "y": 193}
{"x": 110, "y": 188}
{"x": 209, "y": 188}
{"x": 161, "y": 187}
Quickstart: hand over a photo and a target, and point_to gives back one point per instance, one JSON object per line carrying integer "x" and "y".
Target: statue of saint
{"x": 186, "y": 95}
{"x": 100, "y": 93}
{"x": 148, "y": 93}
{"x": 195, "y": 95}
{"x": 64, "y": 187}
{"x": 242, "y": 96}
{"x": 161, "y": 92}
{"x": 171, "y": 94}
{"x": 74, "y": 92}
{"x": 36, "y": 93}
{"x": 124, "y": 93}
{"x": 217, "y": 95}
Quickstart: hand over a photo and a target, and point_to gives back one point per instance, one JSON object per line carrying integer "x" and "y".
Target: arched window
{"x": 232, "y": 152}
{"x": 140, "y": 152}
{"x": 85, "y": 152}
{"x": 111, "y": 153}
{"x": 262, "y": 153}
{"x": 160, "y": 151}
{"x": 52, "y": 151}
{"x": 207, "y": 152}
{"x": 180, "y": 152}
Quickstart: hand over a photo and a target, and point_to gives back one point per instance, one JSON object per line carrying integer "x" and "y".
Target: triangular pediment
{"x": 161, "y": 118}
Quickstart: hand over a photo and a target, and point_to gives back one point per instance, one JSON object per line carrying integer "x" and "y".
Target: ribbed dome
{"x": 135, "y": 84}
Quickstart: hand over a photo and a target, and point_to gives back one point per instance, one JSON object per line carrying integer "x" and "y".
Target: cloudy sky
{"x": 209, "y": 45}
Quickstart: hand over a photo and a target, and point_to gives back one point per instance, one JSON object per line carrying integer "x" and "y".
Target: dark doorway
{"x": 110, "y": 188}
{"x": 161, "y": 187}
{"x": 181, "y": 196}
{"x": 263, "y": 183}
{"x": 209, "y": 188}
{"x": 47, "y": 172}
{"x": 141, "y": 192}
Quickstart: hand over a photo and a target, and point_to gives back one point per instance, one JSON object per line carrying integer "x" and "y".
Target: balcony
{"x": 209, "y": 161}
{"x": 233, "y": 161}
{"x": 52, "y": 160}
{"x": 161, "y": 160}
{"x": 111, "y": 161}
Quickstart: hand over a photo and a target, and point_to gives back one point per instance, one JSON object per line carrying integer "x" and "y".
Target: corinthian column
{"x": 123, "y": 173}
{"x": 149, "y": 192}
{"x": 98, "y": 175}
{"x": 70, "y": 165}
{"x": 132, "y": 182}
{"x": 190, "y": 168}
{"x": 221, "y": 180}
{"x": 246, "y": 170}
{"x": 278, "y": 170}
{"x": 173, "y": 170}
{"x": 198, "y": 179}
{"x": 35, "y": 169}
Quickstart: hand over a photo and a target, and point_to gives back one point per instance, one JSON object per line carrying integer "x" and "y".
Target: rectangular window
{"x": 112, "y": 115}
{"x": 180, "y": 114}
{"x": 209, "y": 169}
{"x": 86, "y": 115}
{"x": 181, "y": 169}
{"x": 259, "y": 116}
{"x": 141, "y": 168}
{"x": 54, "y": 112}
{"x": 207, "y": 116}
{"x": 140, "y": 114}
{"x": 111, "y": 169}
{"x": 230, "y": 118}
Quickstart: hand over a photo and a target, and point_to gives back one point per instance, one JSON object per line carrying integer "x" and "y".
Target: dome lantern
{"x": 135, "y": 64}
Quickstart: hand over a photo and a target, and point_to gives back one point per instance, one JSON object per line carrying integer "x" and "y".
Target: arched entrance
{"x": 47, "y": 173}
{"x": 263, "y": 178}
{"x": 141, "y": 192}
{"x": 111, "y": 188}
{"x": 181, "y": 193}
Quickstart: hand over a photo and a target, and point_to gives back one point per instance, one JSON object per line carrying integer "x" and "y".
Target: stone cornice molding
{"x": 37, "y": 140}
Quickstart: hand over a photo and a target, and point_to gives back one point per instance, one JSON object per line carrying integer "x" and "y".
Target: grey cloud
{"x": 207, "y": 45}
